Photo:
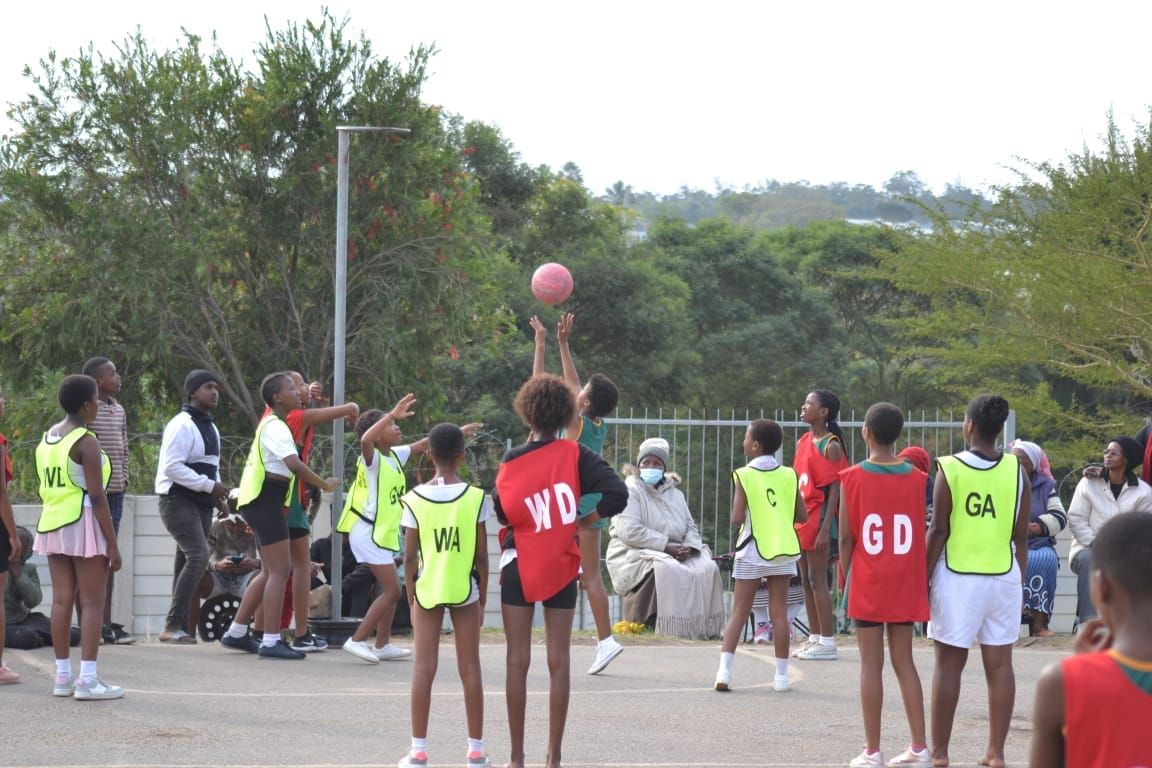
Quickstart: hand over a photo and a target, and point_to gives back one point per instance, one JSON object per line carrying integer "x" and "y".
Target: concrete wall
{"x": 143, "y": 586}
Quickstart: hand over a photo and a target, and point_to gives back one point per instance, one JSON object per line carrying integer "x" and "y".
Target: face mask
{"x": 651, "y": 475}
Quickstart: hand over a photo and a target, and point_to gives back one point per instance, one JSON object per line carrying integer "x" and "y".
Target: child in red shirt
{"x": 1093, "y": 709}
{"x": 882, "y": 548}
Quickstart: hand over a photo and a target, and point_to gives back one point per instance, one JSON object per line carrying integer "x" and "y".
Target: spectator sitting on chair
{"x": 656, "y": 554}
{"x": 356, "y": 582}
{"x": 231, "y": 564}
{"x": 1097, "y": 500}
{"x": 27, "y": 629}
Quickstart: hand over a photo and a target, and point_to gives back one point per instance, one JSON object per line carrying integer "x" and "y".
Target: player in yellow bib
{"x": 767, "y": 505}
{"x": 270, "y": 474}
{"x": 977, "y": 555}
{"x": 371, "y": 519}
{"x": 76, "y": 533}
{"x": 446, "y": 566}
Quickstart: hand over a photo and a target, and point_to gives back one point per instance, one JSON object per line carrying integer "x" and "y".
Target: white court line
{"x": 407, "y": 693}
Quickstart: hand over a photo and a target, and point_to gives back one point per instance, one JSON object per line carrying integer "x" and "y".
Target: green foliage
{"x": 1045, "y": 296}
{"x": 201, "y": 235}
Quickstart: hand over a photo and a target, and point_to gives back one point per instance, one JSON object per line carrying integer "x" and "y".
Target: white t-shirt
{"x": 276, "y": 444}
{"x": 372, "y": 473}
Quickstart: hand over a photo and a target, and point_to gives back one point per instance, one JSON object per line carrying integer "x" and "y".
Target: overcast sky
{"x": 668, "y": 94}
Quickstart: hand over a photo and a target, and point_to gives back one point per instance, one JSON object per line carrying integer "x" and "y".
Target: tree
{"x": 1046, "y": 295}
{"x": 202, "y": 235}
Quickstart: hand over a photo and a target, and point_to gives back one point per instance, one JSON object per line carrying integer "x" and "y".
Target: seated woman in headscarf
{"x": 656, "y": 558}
{"x": 1046, "y": 519}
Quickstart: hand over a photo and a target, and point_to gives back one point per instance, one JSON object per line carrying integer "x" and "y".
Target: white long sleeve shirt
{"x": 181, "y": 445}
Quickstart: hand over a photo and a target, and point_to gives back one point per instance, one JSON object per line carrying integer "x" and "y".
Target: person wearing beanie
{"x": 1116, "y": 490}
{"x": 189, "y": 487}
{"x": 658, "y": 561}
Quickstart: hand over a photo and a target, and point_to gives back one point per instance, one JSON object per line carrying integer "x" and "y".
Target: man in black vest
{"x": 188, "y": 483}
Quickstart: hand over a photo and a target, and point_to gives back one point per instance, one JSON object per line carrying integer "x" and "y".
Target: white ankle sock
{"x": 475, "y": 745}
{"x": 64, "y": 667}
{"x": 87, "y": 669}
{"x": 726, "y": 660}
{"x": 782, "y": 667}
{"x": 419, "y": 745}
{"x": 270, "y": 639}
{"x": 827, "y": 640}
{"x": 237, "y": 630}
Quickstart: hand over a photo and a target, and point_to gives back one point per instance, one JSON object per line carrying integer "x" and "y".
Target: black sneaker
{"x": 308, "y": 643}
{"x": 107, "y": 636}
{"x": 279, "y": 651}
{"x": 246, "y": 643}
{"x": 122, "y": 636}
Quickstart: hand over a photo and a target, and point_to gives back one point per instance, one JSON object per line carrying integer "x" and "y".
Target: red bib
{"x": 540, "y": 493}
{"x": 1106, "y": 716}
{"x": 815, "y": 473}
{"x": 889, "y": 578}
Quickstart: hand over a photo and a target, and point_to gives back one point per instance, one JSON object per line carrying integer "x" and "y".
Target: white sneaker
{"x": 863, "y": 760}
{"x": 723, "y": 679}
{"x": 64, "y": 686}
{"x": 819, "y": 652}
{"x": 606, "y": 651}
{"x": 780, "y": 683}
{"x": 391, "y": 653}
{"x": 361, "y": 650}
{"x": 96, "y": 689}
{"x": 912, "y": 757}
{"x": 802, "y": 647}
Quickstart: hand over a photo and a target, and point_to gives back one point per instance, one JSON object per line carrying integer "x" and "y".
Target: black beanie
{"x": 1133, "y": 455}
{"x": 196, "y": 379}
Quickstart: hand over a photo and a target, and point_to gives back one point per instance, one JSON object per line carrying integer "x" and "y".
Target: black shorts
{"x": 512, "y": 592}
{"x": 265, "y": 514}
{"x": 865, "y": 624}
{"x": 5, "y": 550}
{"x": 298, "y": 533}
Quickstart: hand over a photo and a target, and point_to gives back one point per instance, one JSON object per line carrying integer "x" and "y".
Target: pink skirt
{"x": 82, "y": 538}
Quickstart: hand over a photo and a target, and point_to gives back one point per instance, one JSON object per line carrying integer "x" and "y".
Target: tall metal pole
{"x": 344, "y": 137}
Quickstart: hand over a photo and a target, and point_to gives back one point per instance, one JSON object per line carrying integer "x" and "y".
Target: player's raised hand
{"x": 539, "y": 329}
{"x": 403, "y": 409}
{"x": 564, "y": 327}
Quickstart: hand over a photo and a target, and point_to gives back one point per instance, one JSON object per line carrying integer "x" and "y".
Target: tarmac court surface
{"x": 653, "y": 706}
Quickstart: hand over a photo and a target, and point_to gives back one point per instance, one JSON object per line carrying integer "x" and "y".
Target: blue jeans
{"x": 116, "y": 507}
{"x": 1082, "y": 567}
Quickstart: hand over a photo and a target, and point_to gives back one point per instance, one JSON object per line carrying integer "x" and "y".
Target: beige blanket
{"x": 689, "y": 595}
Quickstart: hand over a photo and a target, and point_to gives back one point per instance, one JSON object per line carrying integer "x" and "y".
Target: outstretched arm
{"x": 571, "y": 378}
{"x": 541, "y": 339}
{"x": 563, "y": 332}
{"x": 401, "y": 410}
{"x": 313, "y": 416}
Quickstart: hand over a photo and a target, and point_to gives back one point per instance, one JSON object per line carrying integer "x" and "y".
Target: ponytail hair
{"x": 829, "y": 401}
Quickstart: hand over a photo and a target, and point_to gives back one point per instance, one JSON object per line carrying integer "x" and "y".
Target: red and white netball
{"x": 552, "y": 283}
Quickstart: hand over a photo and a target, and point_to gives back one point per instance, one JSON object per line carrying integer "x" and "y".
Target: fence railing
{"x": 705, "y": 448}
{"x": 706, "y": 445}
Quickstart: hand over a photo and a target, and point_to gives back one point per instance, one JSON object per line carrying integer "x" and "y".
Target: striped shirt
{"x": 111, "y": 427}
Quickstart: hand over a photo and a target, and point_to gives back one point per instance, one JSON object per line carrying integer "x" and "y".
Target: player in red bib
{"x": 819, "y": 459}
{"x": 1093, "y": 709}
{"x": 882, "y": 548}
{"x": 538, "y": 488}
